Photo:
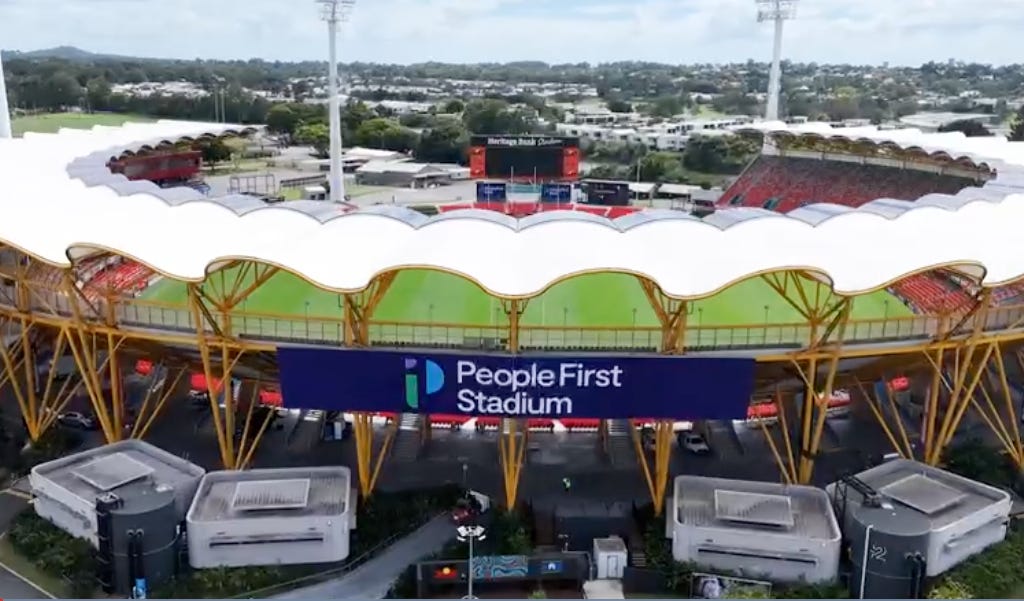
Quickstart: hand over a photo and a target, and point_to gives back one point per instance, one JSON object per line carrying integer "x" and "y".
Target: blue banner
{"x": 556, "y": 193}
{"x": 491, "y": 191}
{"x": 502, "y": 385}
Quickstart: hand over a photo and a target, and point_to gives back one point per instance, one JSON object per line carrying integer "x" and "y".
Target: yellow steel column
{"x": 932, "y": 406}
{"x": 358, "y": 309}
{"x": 512, "y": 438}
{"x": 967, "y": 375}
{"x": 225, "y": 440}
{"x": 820, "y": 399}
{"x": 85, "y": 348}
{"x": 144, "y": 420}
{"x": 672, "y": 318}
{"x": 511, "y": 452}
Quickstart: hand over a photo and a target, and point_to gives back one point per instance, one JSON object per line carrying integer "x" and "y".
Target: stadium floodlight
{"x": 335, "y": 12}
{"x": 5, "y": 112}
{"x": 776, "y": 11}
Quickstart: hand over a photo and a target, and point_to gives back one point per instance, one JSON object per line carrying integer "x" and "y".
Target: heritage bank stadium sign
{"x": 502, "y": 385}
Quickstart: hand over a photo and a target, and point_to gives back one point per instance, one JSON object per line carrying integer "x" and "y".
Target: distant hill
{"x": 68, "y": 53}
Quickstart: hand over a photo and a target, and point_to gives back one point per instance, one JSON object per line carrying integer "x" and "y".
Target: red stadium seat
{"x": 786, "y": 183}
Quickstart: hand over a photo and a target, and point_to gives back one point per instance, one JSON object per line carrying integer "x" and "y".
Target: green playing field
{"x": 591, "y": 300}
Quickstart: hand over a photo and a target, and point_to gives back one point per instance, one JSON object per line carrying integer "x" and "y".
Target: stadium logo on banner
{"x": 433, "y": 375}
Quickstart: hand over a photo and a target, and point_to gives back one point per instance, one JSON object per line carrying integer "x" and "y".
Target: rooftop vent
{"x": 112, "y": 471}
{"x": 753, "y": 508}
{"x": 923, "y": 494}
{"x": 265, "y": 495}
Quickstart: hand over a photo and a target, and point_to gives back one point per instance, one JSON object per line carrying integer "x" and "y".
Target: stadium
{"x": 841, "y": 258}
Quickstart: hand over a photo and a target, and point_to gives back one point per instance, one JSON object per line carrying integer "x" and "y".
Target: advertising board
{"x": 503, "y": 385}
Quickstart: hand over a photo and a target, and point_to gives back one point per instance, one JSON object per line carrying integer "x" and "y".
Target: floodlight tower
{"x": 5, "y": 113}
{"x": 777, "y": 11}
{"x": 335, "y": 12}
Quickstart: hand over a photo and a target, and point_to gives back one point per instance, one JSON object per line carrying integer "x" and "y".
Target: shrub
{"x": 994, "y": 573}
{"x": 55, "y": 552}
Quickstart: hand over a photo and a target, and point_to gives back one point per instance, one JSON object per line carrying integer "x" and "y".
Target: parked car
{"x": 694, "y": 443}
{"x": 77, "y": 420}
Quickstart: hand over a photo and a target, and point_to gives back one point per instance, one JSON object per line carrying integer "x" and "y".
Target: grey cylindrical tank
{"x": 153, "y": 513}
{"x": 894, "y": 535}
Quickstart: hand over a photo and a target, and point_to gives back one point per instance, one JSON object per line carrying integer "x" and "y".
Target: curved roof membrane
{"x": 58, "y": 200}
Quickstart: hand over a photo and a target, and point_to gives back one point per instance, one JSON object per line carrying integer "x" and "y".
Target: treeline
{"x": 706, "y": 161}
{"x": 441, "y": 136}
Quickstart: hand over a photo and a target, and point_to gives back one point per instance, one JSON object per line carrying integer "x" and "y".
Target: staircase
{"x": 638, "y": 558}
{"x": 408, "y": 439}
{"x": 620, "y": 444}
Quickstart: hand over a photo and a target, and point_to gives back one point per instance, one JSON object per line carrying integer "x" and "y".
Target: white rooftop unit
{"x": 271, "y": 517}
{"x": 964, "y": 516}
{"x": 762, "y": 529}
{"x": 65, "y": 489}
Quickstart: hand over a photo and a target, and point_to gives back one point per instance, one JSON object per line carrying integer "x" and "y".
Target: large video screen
{"x": 516, "y": 163}
{"x": 524, "y": 157}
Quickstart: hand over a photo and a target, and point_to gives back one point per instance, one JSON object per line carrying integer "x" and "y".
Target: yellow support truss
{"x": 357, "y": 311}
{"x": 512, "y": 455}
{"x": 672, "y": 319}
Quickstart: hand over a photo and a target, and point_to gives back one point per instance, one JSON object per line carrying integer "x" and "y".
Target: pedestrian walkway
{"x": 373, "y": 579}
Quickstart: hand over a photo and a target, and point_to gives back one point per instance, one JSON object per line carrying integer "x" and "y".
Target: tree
{"x": 354, "y": 114}
{"x": 453, "y": 106}
{"x": 63, "y": 90}
{"x": 619, "y": 106}
{"x": 281, "y": 119}
{"x": 214, "y": 151}
{"x": 661, "y": 167}
{"x": 497, "y": 117}
{"x": 1017, "y": 126}
{"x": 385, "y": 134}
{"x": 969, "y": 128}
{"x": 97, "y": 94}
{"x": 316, "y": 135}
{"x": 446, "y": 142}
{"x": 718, "y": 154}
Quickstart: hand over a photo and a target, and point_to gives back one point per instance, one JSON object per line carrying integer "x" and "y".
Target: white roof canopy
{"x": 58, "y": 200}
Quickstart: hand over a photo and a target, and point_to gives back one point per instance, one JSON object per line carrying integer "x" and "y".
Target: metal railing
{"x": 321, "y": 330}
{"x": 333, "y": 573}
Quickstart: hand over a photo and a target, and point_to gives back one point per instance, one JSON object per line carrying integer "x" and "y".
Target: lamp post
{"x": 335, "y": 12}
{"x": 469, "y": 534}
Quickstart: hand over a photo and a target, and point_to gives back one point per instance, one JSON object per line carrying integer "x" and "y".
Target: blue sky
{"x": 404, "y": 31}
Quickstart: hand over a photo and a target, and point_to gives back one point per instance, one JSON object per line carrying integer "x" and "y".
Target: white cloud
{"x": 861, "y": 31}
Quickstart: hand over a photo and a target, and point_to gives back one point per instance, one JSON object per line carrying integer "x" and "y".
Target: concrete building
{"x": 271, "y": 517}
{"x": 932, "y": 121}
{"x": 401, "y": 174}
{"x": 666, "y": 136}
{"x": 956, "y": 517}
{"x": 66, "y": 489}
{"x": 757, "y": 529}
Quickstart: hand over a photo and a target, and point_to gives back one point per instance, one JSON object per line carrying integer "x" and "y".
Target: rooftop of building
{"x": 271, "y": 493}
{"x": 127, "y": 468}
{"x": 751, "y": 506}
{"x": 942, "y": 497}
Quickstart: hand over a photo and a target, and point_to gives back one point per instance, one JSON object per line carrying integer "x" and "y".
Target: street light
{"x": 334, "y": 12}
{"x": 468, "y": 534}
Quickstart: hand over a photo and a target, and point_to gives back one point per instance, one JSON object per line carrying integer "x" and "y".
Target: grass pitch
{"x": 610, "y": 300}
{"x": 51, "y": 122}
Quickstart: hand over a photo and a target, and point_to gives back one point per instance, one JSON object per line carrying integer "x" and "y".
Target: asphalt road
{"x": 373, "y": 579}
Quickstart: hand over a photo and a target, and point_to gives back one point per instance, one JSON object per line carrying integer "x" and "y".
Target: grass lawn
{"x": 55, "y": 586}
{"x": 50, "y": 123}
{"x": 591, "y": 300}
